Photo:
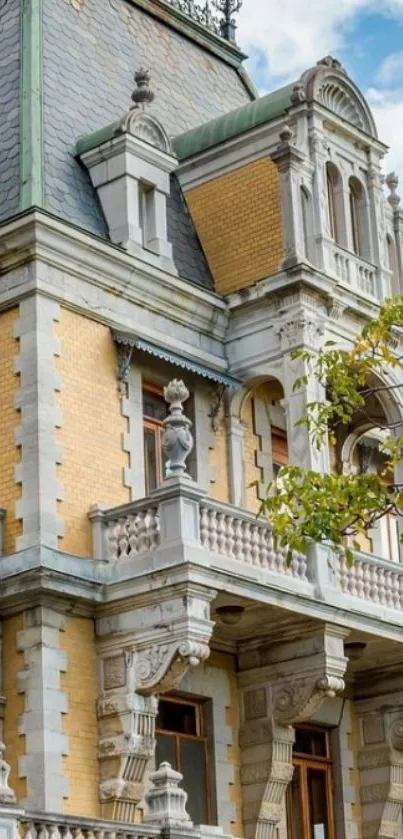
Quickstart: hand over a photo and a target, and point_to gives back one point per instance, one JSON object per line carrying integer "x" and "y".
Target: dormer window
{"x": 130, "y": 163}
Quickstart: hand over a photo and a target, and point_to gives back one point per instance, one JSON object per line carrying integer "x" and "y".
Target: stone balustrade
{"x": 178, "y": 520}
{"x": 40, "y": 826}
{"x": 247, "y": 540}
{"x": 353, "y": 271}
{"x": 371, "y": 579}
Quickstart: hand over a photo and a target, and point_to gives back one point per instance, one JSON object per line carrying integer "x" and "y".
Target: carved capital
{"x": 301, "y": 330}
{"x": 161, "y": 668}
{"x": 300, "y": 699}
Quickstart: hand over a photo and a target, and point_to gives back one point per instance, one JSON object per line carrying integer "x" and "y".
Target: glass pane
{"x": 165, "y": 750}
{"x": 310, "y": 742}
{"x": 176, "y": 716}
{"x": 154, "y": 406}
{"x": 193, "y": 768}
{"x": 151, "y": 455}
{"x": 319, "y": 820}
{"x": 294, "y": 813}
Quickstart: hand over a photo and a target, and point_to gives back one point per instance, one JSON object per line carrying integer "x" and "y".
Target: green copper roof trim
{"x": 234, "y": 123}
{"x": 133, "y": 341}
{"x": 103, "y": 135}
{"x": 31, "y": 105}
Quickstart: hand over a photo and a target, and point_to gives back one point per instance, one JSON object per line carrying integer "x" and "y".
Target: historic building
{"x": 159, "y": 223}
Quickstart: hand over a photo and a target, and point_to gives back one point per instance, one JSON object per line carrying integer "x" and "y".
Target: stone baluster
{"x": 112, "y": 531}
{"x": 255, "y": 552}
{"x": 359, "y": 577}
{"x": 395, "y": 590}
{"x": 204, "y": 527}
{"x": 374, "y": 584}
{"x": 221, "y": 533}
{"x": 388, "y": 589}
{"x": 366, "y": 581}
{"x": 133, "y": 535}
{"x": 142, "y": 538}
{"x": 263, "y": 547}
{"x": 303, "y": 567}
{"x": 213, "y": 543}
{"x": 238, "y": 540}
{"x": 381, "y": 586}
{"x": 123, "y": 538}
{"x": 271, "y": 555}
{"x": 153, "y": 528}
{"x": 229, "y": 545}
{"x": 246, "y": 532}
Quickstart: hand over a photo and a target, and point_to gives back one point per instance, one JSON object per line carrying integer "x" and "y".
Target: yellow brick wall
{"x": 80, "y": 723}
{"x": 238, "y": 220}
{"x": 10, "y": 419}
{"x": 227, "y": 662}
{"x": 92, "y": 427}
{"x": 218, "y": 460}
{"x": 13, "y": 663}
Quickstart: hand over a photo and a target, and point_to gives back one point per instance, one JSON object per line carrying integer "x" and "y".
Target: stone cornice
{"x": 97, "y": 267}
{"x": 42, "y": 576}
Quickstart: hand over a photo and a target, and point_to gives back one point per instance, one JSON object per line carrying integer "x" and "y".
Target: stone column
{"x": 302, "y": 328}
{"x": 288, "y": 160}
{"x": 281, "y": 685}
{"x": 142, "y": 652}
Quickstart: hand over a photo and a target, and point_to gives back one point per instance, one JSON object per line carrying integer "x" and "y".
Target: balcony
{"x": 178, "y": 523}
{"x": 352, "y": 271}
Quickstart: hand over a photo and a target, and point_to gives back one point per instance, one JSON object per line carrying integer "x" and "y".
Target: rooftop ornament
{"x": 203, "y": 12}
{"x": 142, "y": 95}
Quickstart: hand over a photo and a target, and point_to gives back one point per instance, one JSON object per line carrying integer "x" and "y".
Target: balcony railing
{"x": 235, "y": 542}
{"x": 40, "y": 826}
{"x": 353, "y": 271}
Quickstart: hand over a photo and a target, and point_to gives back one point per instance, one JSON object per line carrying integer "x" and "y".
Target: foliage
{"x": 339, "y": 508}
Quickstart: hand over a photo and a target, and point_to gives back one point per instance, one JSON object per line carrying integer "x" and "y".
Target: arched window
{"x": 306, "y": 218}
{"x": 335, "y": 204}
{"x": 358, "y": 218}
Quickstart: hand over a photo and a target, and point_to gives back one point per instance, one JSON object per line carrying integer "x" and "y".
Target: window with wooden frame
{"x": 279, "y": 449}
{"x": 154, "y": 412}
{"x": 181, "y": 735}
{"x": 310, "y": 813}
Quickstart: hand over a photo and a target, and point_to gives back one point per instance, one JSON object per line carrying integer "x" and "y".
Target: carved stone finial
{"x": 6, "y": 793}
{"x": 142, "y": 95}
{"x": 329, "y": 61}
{"x": 177, "y": 440}
{"x": 166, "y": 801}
{"x": 392, "y": 181}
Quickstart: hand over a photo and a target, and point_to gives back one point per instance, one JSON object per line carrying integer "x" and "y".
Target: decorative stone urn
{"x": 177, "y": 439}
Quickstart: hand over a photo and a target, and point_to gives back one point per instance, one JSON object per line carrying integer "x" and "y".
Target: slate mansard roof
{"x": 89, "y": 55}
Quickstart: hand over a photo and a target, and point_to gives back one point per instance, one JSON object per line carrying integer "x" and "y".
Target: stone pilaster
{"x": 45, "y": 702}
{"x": 142, "y": 652}
{"x": 40, "y": 416}
{"x": 380, "y": 761}
{"x": 281, "y": 686}
{"x": 302, "y": 326}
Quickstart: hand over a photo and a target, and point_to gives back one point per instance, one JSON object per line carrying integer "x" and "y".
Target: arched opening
{"x": 358, "y": 218}
{"x": 265, "y": 448}
{"x": 392, "y": 264}
{"x": 359, "y": 450}
{"x": 307, "y": 226}
{"x": 335, "y": 204}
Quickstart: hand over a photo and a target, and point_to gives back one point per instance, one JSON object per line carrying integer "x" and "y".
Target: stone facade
{"x": 153, "y": 248}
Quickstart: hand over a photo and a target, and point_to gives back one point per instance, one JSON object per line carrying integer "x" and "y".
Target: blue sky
{"x": 284, "y": 37}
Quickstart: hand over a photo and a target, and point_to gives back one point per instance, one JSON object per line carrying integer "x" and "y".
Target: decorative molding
{"x": 40, "y": 417}
{"x": 301, "y": 330}
{"x": 166, "y": 801}
{"x": 161, "y": 668}
{"x": 301, "y": 698}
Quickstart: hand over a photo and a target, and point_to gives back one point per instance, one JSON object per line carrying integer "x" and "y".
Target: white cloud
{"x": 387, "y": 108}
{"x": 285, "y": 37}
{"x": 391, "y": 69}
